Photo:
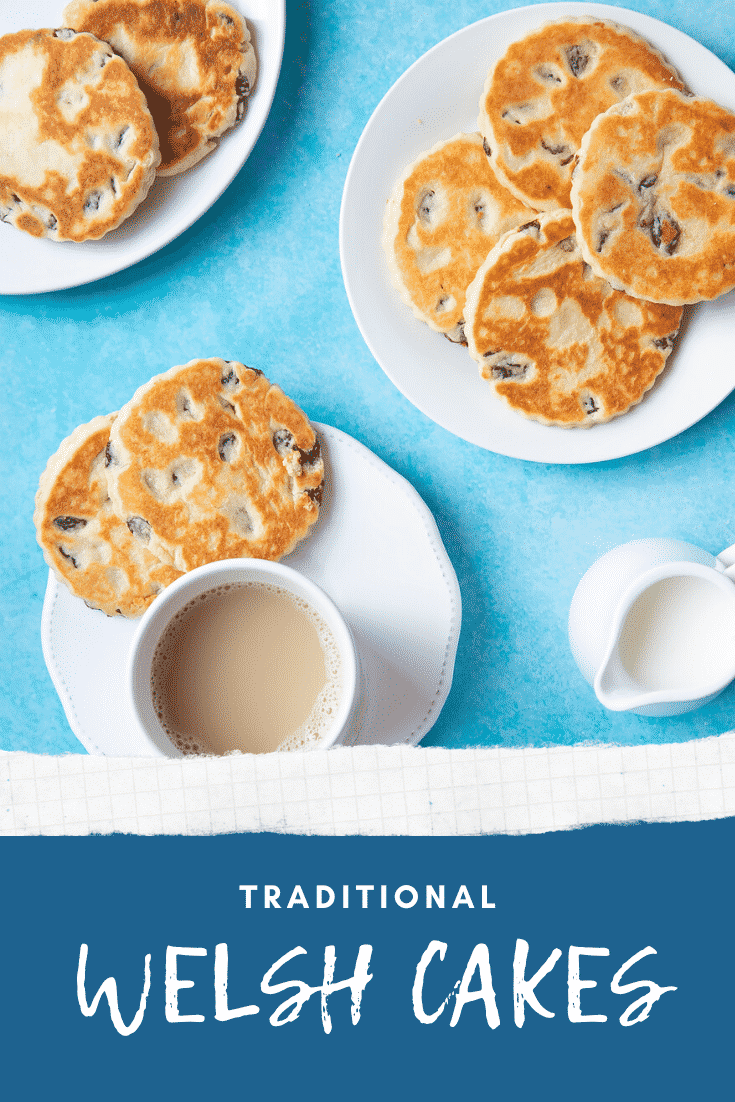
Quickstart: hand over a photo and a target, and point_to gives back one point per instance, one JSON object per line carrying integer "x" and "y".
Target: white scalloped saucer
{"x": 378, "y": 554}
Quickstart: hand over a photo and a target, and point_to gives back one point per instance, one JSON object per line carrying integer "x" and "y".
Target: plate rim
{"x": 276, "y": 18}
{"x": 534, "y": 452}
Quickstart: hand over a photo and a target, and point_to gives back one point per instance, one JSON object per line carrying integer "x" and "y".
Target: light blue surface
{"x": 258, "y": 279}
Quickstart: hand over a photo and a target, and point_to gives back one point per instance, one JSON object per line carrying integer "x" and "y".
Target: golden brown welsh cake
{"x": 211, "y": 461}
{"x": 556, "y": 343}
{"x": 84, "y": 542}
{"x": 446, "y": 212}
{"x": 541, "y": 97}
{"x": 78, "y": 148}
{"x": 193, "y": 59}
{"x": 654, "y": 197}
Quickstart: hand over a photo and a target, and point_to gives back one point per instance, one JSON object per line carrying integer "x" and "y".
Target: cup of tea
{"x": 242, "y": 655}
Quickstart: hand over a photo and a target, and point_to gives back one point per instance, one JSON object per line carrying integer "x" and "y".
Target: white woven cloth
{"x": 370, "y": 790}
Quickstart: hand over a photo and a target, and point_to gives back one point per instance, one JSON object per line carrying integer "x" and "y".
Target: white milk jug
{"x": 652, "y": 626}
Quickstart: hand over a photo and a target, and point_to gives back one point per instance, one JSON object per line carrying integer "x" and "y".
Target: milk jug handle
{"x": 726, "y": 561}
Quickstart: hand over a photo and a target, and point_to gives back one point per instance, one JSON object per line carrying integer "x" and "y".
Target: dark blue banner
{"x": 595, "y": 964}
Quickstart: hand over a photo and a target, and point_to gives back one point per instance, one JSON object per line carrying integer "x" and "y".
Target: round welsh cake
{"x": 654, "y": 197}
{"x": 78, "y": 148}
{"x": 445, "y": 214}
{"x": 84, "y": 542}
{"x": 211, "y": 461}
{"x": 193, "y": 59}
{"x": 541, "y": 97}
{"x": 558, "y": 344}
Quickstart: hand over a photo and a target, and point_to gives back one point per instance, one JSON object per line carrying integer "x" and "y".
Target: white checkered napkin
{"x": 370, "y": 790}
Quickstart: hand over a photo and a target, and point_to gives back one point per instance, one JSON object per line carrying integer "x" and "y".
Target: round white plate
{"x": 376, "y": 551}
{"x": 433, "y": 100}
{"x": 173, "y": 203}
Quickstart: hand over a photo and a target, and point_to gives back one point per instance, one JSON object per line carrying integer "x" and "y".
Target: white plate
{"x": 433, "y": 100}
{"x": 30, "y": 266}
{"x": 376, "y": 551}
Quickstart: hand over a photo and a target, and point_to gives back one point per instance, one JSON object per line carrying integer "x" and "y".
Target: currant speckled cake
{"x": 653, "y": 197}
{"x": 89, "y": 548}
{"x": 556, "y": 343}
{"x": 542, "y": 95}
{"x": 446, "y": 212}
{"x": 193, "y": 59}
{"x": 78, "y": 148}
{"x": 211, "y": 461}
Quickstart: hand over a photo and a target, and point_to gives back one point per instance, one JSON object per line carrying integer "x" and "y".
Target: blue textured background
{"x": 258, "y": 279}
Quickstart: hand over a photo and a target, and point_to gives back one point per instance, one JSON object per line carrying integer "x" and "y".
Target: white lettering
{"x": 109, "y": 990}
{"x": 222, "y": 1011}
{"x": 304, "y": 992}
{"x": 357, "y": 983}
{"x": 297, "y": 898}
{"x": 364, "y": 888}
{"x": 646, "y": 1001}
{"x": 271, "y": 896}
{"x": 399, "y": 896}
{"x": 434, "y": 947}
{"x": 479, "y": 960}
{"x": 523, "y": 989}
{"x": 432, "y": 897}
{"x": 575, "y": 984}
{"x": 174, "y": 984}
{"x": 320, "y": 890}
{"x": 463, "y": 896}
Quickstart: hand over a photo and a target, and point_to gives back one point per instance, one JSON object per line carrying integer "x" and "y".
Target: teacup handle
{"x": 726, "y": 561}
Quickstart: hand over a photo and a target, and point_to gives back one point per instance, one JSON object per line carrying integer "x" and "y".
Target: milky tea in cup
{"x": 248, "y": 666}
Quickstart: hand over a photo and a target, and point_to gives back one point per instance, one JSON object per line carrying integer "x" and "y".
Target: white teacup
{"x": 211, "y": 580}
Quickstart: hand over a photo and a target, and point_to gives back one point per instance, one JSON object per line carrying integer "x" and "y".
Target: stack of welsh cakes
{"x": 207, "y": 461}
{"x": 92, "y": 112}
{"x": 561, "y": 242}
